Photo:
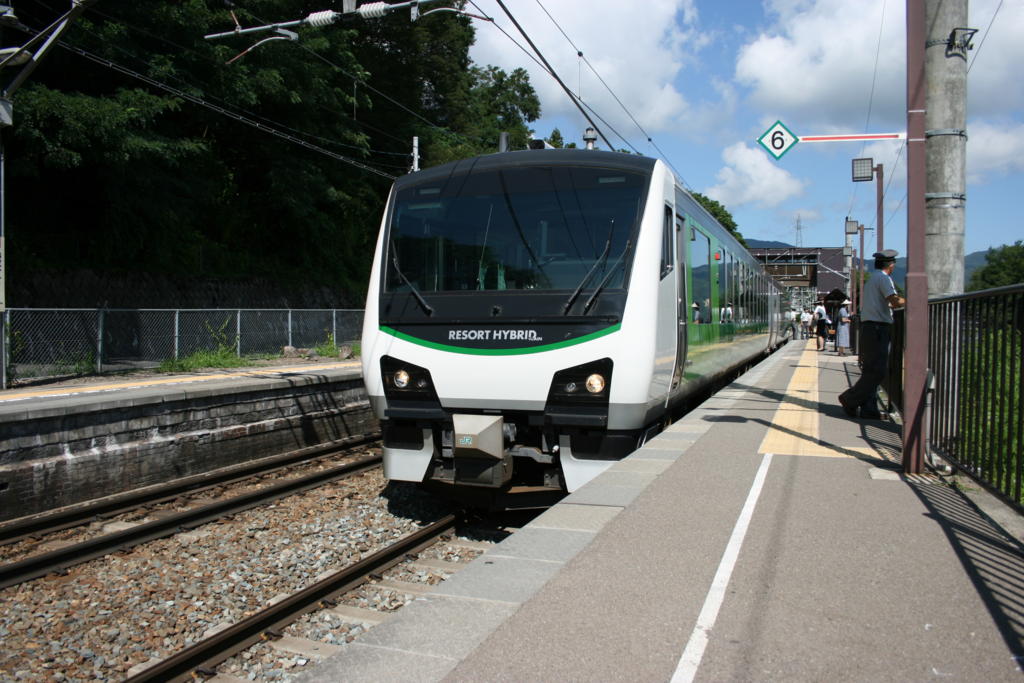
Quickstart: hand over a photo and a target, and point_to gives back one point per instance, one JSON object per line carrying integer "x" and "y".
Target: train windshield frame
{"x": 521, "y": 228}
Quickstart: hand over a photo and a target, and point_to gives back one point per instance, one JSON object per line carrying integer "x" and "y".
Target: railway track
{"x": 104, "y": 619}
{"x": 201, "y": 659}
{"x": 78, "y": 515}
{"x": 61, "y": 559}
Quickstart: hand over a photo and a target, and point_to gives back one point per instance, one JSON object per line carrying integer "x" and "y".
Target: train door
{"x": 682, "y": 302}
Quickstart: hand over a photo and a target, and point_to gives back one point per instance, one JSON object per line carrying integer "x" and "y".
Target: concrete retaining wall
{"x": 80, "y": 448}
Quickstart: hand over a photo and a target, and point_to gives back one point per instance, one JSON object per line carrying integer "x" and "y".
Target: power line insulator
{"x": 324, "y": 18}
{"x": 373, "y": 10}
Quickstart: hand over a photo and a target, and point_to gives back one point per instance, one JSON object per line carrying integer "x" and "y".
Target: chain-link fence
{"x": 54, "y": 342}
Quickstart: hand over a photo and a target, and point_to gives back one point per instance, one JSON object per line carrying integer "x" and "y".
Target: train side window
{"x": 700, "y": 272}
{"x": 667, "y": 251}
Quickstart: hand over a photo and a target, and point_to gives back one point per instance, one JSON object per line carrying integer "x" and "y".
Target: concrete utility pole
{"x": 946, "y": 46}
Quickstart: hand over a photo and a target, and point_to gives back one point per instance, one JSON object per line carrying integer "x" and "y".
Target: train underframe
{"x": 507, "y": 460}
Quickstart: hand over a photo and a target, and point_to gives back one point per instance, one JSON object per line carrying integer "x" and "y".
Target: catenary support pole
{"x": 916, "y": 331}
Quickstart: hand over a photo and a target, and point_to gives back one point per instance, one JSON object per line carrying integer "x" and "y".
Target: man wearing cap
{"x": 878, "y": 300}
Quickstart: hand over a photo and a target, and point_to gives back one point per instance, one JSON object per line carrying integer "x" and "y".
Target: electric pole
{"x": 24, "y": 59}
{"x": 946, "y": 46}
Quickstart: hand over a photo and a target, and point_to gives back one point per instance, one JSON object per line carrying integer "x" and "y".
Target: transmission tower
{"x": 799, "y": 232}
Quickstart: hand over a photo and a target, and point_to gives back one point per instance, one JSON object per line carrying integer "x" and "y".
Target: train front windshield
{"x": 516, "y": 228}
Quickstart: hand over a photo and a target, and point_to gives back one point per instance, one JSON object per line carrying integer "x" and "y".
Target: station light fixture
{"x": 863, "y": 170}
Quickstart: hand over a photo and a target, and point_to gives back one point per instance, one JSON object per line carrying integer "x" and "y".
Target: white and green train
{"x": 534, "y": 316}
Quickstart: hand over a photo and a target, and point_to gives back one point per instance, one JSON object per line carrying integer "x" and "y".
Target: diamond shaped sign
{"x": 778, "y": 140}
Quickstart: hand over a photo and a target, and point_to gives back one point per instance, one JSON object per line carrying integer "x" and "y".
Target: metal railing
{"x": 976, "y": 361}
{"x": 57, "y": 342}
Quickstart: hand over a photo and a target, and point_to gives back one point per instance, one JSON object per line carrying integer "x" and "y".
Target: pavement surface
{"x": 764, "y": 537}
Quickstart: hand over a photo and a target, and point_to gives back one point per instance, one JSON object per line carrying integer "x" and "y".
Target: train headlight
{"x": 588, "y": 384}
{"x": 404, "y": 381}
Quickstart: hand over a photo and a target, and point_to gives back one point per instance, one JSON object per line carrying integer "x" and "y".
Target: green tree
{"x": 720, "y": 214}
{"x": 112, "y": 173}
{"x": 556, "y": 140}
{"x": 1003, "y": 266}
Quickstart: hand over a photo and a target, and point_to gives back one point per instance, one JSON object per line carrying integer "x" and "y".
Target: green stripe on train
{"x": 499, "y": 352}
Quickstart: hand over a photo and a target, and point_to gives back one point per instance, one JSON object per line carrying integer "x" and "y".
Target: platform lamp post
{"x": 25, "y": 59}
{"x": 851, "y": 230}
{"x": 863, "y": 171}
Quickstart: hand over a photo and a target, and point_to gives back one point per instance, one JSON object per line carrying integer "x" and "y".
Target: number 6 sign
{"x": 778, "y": 140}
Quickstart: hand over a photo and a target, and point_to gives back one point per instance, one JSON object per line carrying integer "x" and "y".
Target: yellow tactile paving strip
{"x": 14, "y": 395}
{"x": 796, "y": 427}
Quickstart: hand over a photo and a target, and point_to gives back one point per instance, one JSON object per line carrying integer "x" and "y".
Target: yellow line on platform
{"x": 795, "y": 429}
{"x": 15, "y": 395}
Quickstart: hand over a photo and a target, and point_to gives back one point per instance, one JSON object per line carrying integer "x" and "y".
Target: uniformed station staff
{"x": 878, "y": 299}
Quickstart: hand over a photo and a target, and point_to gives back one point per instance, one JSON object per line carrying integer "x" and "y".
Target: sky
{"x": 704, "y": 80}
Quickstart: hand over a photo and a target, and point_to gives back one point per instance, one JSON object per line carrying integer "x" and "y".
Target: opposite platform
{"x": 765, "y": 536}
{"x": 64, "y": 445}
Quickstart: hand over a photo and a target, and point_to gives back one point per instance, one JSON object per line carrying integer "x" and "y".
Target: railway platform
{"x": 763, "y": 537}
{"x": 80, "y": 440}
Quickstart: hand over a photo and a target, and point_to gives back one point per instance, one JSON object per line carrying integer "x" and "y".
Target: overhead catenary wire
{"x": 871, "y": 100}
{"x": 583, "y": 56}
{"x": 208, "y": 97}
{"x": 359, "y": 81}
{"x": 221, "y": 110}
{"x": 987, "y": 30}
{"x": 888, "y": 182}
{"x": 555, "y": 75}
{"x": 548, "y": 71}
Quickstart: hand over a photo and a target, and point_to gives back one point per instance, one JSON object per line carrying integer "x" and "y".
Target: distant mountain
{"x": 767, "y": 244}
{"x": 972, "y": 262}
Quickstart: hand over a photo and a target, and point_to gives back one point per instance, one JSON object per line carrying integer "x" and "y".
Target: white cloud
{"x": 994, "y": 149}
{"x": 751, "y": 177}
{"x": 807, "y": 66}
{"x": 638, "y": 52}
{"x": 993, "y": 83}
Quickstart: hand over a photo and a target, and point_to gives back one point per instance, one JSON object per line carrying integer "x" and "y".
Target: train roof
{"x": 533, "y": 157}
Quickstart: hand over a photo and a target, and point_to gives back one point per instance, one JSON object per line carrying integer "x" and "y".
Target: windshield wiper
{"x": 519, "y": 228}
{"x": 586, "y": 278}
{"x": 611, "y": 271}
{"x": 412, "y": 287}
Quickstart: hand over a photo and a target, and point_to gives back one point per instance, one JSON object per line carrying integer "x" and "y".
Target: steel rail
{"x": 57, "y": 560}
{"x": 77, "y": 515}
{"x": 200, "y": 659}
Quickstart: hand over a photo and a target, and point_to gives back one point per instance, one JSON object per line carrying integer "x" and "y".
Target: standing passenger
{"x": 843, "y": 329}
{"x": 879, "y": 298}
{"x": 805, "y": 324}
{"x": 823, "y": 321}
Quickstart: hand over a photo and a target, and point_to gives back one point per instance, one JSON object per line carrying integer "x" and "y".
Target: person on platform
{"x": 805, "y": 324}
{"x": 879, "y": 298}
{"x": 726, "y": 313}
{"x": 822, "y": 321}
{"x": 843, "y": 330}
{"x": 696, "y": 313}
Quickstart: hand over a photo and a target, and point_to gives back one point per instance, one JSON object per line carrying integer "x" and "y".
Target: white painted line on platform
{"x": 694, "y": 651}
